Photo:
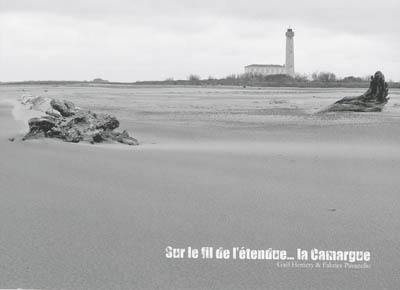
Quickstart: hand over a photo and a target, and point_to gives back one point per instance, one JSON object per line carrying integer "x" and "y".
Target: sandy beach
{"x": 221, "y": 167}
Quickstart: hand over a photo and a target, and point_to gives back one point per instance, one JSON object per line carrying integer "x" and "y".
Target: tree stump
{"x": 373, "y": 100}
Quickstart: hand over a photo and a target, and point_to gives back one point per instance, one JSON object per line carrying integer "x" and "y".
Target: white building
{"x": 274, "y": 69}
{"x": 265, "y": 69}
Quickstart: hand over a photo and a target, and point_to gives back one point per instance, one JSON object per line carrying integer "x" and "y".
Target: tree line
{"x": 316, "y": 79}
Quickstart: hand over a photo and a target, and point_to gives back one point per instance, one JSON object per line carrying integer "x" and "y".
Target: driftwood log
{"x": 373, "y": 100}
{"x": 63, "y": 120}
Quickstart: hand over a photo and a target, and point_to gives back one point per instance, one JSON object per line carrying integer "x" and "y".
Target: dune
{"x": 100, "y": 217}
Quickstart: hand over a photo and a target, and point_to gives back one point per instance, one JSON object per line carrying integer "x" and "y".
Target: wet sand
{"x": 99, "y": 217}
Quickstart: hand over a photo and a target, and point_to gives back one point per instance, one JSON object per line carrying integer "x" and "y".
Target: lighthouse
{"x": 276, "y": 69}
{"x": 289, "y": 66}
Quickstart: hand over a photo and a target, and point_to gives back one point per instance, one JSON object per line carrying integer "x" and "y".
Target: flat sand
{"x": 100, "y": 217}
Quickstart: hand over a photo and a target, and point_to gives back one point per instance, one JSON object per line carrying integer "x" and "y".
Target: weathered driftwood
{"x": 373, "y": 100}
{"x": 65, "y": 121}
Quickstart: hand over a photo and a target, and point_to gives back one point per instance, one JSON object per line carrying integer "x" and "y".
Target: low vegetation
{"x": 317, "y": 80}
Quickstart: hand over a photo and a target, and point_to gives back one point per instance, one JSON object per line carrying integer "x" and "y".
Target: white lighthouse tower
{"x": 289, "y": 66}
{"x": 275, "y": 69}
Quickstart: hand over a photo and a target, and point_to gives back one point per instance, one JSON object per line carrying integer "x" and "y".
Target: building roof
{"x": 265, "y": 65}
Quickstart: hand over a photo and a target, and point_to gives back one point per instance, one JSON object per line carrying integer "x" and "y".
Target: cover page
{"x": 214, "y": 144}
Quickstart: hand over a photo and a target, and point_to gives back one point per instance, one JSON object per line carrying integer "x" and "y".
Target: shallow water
{"x": 191, "y": 113}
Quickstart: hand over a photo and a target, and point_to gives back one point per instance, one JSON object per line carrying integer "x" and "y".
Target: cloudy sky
{"x": 129, "y": 40}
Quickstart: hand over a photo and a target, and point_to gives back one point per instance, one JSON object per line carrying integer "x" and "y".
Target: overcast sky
{"x": 129, "y": 40}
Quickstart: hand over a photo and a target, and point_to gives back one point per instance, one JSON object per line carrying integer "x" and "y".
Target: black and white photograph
{"x": 199, "y": 145}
